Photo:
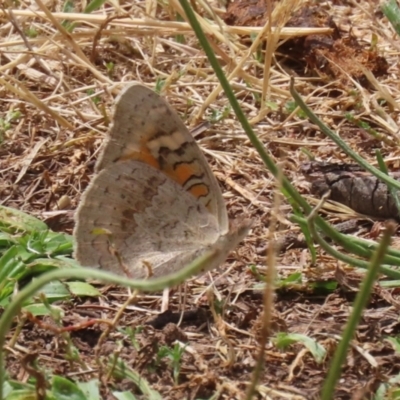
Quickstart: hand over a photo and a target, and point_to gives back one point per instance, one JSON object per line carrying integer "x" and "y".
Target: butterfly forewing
{"x": 146, "y": 128}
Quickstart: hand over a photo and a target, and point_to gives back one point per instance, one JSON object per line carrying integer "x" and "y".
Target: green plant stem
{"x": 364, "y": 243}
{"x": 392, "y": 13}
{"x": 151, "y": 285}
{"x": 359, "y": 304}
{"x": 288, "y": 188}
{"x": 362, "y": 248}
{"x": 382, "y": 166}
{"x": 236, "y": 107}
{"x": 389, "y": 272}
{"x": 343, "y": 145}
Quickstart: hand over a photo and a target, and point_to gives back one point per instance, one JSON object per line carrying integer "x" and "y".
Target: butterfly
{"x": 154, "y": 204}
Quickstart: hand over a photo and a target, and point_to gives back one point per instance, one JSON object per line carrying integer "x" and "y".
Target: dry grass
{"x": 63, "y": 84}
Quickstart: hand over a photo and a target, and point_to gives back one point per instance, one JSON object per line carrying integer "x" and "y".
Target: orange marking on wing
{"x": 182, "y": 173}
{"x": 199, "y": 190}
{"x": 144, "y": 155}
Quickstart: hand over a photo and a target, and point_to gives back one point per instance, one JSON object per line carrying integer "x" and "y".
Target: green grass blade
{"x": 359, "y": 304}
{"x": 392, "y": 13}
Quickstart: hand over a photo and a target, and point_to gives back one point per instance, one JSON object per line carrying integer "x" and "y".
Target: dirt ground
{"x": 344, "y": 57}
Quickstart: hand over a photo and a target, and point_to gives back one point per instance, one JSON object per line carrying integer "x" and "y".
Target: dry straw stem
{"x": 382, "y": 119}
{"x": 87, "y": 26}
{"x": 382, "y": 91}
{"x": 132, "y": 297}
{"x": 270, "y": 277}
{"x": 278, "y": 18}
{"x": 150, "y": 26}
{"x": 23, "y": 93}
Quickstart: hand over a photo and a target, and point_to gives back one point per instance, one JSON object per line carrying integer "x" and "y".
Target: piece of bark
{"x": 352, "y": 186}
